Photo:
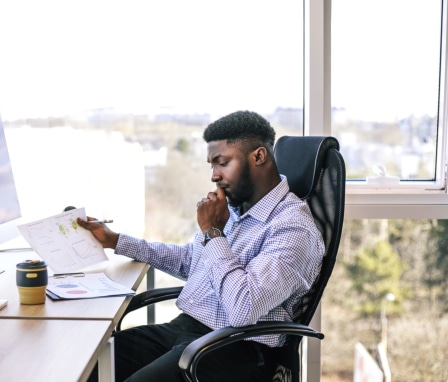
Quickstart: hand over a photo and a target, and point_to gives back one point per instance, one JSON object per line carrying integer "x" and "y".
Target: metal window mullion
{"x": 317, "y": 115}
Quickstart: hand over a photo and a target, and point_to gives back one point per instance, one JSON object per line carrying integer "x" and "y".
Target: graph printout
{"x": 62, "y": 243}
{"x": 89, "y": 285}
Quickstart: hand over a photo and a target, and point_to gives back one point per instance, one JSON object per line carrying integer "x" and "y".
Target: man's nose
{"x": 215, "y": 176}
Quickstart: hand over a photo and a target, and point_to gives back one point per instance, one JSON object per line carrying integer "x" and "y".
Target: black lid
{"x": 31, "y": 264}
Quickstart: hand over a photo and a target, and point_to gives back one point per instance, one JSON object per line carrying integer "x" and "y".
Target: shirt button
{"x": 191, "y": 301}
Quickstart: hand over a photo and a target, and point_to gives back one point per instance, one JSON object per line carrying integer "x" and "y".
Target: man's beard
{"x": 244, "y": 190}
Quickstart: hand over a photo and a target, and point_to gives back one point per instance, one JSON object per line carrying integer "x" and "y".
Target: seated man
{"x": 256, "y": 253}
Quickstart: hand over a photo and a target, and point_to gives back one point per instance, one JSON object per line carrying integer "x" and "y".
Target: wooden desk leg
{"x": 106, "y": 363}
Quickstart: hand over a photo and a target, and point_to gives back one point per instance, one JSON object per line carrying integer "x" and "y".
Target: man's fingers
{"x": 220, "y": 193}
{"x": 212, "y": 196}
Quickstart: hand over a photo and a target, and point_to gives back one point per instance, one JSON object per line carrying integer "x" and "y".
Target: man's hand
{"x": 213, "y": 210}
{"x": 101, "y": 232}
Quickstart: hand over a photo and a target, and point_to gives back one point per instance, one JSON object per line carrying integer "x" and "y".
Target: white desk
{"x": 50, "y": 350}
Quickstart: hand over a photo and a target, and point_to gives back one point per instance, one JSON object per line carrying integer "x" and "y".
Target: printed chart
{"x": 62, "y": 243}
{"x": 89, "y": 285}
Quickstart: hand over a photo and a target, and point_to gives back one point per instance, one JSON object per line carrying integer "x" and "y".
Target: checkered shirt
{"x": 266, "y": 262}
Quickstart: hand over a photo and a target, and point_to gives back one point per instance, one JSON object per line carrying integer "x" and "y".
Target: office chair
{"x": 315, "y": 171}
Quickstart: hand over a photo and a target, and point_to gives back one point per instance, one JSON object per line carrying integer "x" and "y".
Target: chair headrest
{"x": 300, "y": 159}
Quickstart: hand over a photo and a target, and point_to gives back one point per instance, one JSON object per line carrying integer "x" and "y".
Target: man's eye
{"x": 222, "y": 164}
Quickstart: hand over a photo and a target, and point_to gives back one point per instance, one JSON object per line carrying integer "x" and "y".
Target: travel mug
{"x": 32, "y": 280}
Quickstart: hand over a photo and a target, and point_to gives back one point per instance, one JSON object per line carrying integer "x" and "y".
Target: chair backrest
{"x": 315, "y": 171}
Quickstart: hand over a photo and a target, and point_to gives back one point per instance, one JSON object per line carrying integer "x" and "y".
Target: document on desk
{"x": 62, "y": 243}
{"x": 89, "y": 285}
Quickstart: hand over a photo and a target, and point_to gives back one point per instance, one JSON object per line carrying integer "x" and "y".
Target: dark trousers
{"x": 151, "y": 353}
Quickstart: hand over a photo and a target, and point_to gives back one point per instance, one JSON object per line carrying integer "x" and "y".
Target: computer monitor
{"x": 10, "y": 214}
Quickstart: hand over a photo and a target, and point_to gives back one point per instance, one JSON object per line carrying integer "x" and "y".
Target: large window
{"x": 385, "y": 66}
{"x": 138, "y": 77}
{"x": 104, "y": 104}
{"x": 388, "y": 292}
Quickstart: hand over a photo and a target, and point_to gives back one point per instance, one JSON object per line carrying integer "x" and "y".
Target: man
{"x": 257, "y": 252}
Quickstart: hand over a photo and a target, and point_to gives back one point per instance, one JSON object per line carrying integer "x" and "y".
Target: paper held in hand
{"x": 62, "y": 243}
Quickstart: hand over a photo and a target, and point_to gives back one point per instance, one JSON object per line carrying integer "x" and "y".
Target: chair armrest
{"x": 197, "y": 349}
{"x": 149, "y": 297}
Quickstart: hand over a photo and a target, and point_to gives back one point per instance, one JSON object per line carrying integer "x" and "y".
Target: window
{"x": 91, "y": 90}
{"x": 385, "y": 65}
{"x": 324, "y": 94}
{"x": 389, "y": 288}
{"x": 104, "y": 102}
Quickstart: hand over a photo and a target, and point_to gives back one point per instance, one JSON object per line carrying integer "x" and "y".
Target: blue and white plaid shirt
{"x": 267, "y": 260}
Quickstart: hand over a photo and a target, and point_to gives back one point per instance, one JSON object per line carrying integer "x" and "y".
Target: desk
{"x": 60, "y": 340}
{"x": 119, "y": 268}
{"x": 50, "y": 350}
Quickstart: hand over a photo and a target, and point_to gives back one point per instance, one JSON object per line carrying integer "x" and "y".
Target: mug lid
{"x": 31, "y": 264}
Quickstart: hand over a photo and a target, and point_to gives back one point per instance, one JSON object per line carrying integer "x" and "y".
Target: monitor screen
{"x": 9, "y": 201}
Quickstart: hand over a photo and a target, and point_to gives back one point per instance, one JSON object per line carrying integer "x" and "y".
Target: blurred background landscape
{"x": 166, "y": 164}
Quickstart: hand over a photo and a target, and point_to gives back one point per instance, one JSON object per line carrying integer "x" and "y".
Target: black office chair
{"x": 316, "y": 173}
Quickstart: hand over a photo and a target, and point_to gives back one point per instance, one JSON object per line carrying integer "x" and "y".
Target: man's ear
{"x": 260, "y": 155}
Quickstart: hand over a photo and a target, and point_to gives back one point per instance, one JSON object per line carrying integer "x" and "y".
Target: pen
{"x": 61, "y": 275}
{"x": 100, "y": 221}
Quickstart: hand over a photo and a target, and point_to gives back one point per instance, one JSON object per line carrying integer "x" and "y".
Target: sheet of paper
{"x": 89, "y": 285}
{"x": 62, "y": 243}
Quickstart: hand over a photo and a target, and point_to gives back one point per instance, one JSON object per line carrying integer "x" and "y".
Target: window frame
{"x": 416, "y": 200}
{"x": 366, "y": 202}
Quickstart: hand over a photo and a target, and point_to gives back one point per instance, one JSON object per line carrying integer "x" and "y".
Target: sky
{"x": 392, "y": 68}
{"x": 209, "y": 56}
{"x": 140, "y": 54}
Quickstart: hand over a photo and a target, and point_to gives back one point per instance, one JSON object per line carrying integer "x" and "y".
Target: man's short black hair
{"x": 246, "y": 126}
